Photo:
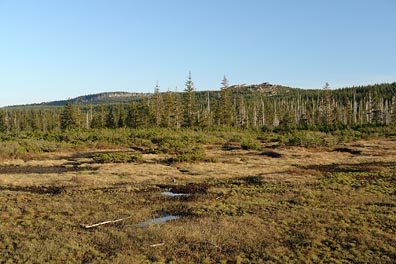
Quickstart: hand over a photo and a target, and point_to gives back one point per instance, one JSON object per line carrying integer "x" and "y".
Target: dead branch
{"x": 212, "y": 244}
{"x": 105, "y": 223}
{"x": 157, "y": 245}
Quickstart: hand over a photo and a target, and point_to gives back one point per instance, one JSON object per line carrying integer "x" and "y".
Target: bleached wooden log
{"x": 157, "y": 245}
{"x": 105, "y": 223}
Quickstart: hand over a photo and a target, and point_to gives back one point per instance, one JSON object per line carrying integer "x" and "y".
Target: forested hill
{"x": 265, "y": 89}
{"x": 99, "y": 98}
{"x": 248, "y": 91}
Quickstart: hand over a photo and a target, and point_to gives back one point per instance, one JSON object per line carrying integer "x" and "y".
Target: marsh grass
{"x": 306, "y": 206}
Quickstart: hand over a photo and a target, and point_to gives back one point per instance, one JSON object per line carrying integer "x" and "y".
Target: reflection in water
{"x": 159, "y": 220}
{"x": 171, "y": 194}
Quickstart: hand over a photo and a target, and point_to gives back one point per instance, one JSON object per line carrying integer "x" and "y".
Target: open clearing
{"x": 276, "y": 205}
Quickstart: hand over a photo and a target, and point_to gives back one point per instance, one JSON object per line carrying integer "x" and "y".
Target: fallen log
{"x": 157, "y": 245}
{"x": 105, "y": 223}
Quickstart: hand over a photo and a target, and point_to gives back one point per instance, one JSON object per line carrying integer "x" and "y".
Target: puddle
{"x": 159, "y": 220}
{"x": 171, "y": 194}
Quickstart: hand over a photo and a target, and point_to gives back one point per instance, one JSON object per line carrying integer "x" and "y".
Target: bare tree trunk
{"x": 262, "y": 113}
{"x": 208, "y": 110}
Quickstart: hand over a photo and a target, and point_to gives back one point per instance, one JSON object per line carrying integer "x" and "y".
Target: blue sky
{"x": 59, "y": 49}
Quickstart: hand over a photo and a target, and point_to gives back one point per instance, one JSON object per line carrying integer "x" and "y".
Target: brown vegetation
{"x": 294, "y": 204}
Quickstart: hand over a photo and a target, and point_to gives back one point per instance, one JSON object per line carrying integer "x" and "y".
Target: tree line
{"x": 323, "y": 109}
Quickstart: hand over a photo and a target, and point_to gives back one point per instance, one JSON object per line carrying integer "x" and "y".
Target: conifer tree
{"x": 130, "y": 118}
{"x": 178, "y": 110}
{"x": 99, "y": 118}
{"x": 140, "y": 114}
{"x": 68, "y": 117}
{"x": 189, "y": 102}
{"x": 225, "y": 106}
{"x": 110, "y": 119}
{"x": 286, "y": 117}
{"x": 121, "y": 116}
{"x": 326, "y": 108}
{"x": 2, "y": 118}
{"x": 167, "y": 109}
{"x": 376, "y": 109}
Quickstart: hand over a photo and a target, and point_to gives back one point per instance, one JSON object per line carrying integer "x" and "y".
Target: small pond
{"x": 159, "y": 220}
{"x": 171, "y": 194}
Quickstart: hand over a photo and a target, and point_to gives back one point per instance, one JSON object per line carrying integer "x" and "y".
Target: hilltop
{"x": 266, "y": 89}
{"x": 99, "y": 98}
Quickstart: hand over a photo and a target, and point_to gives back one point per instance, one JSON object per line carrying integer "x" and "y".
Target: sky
{"x": 60, "y": 49}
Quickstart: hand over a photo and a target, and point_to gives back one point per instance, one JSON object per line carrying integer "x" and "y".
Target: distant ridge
{"x": 105, "y": 97}
{"x": 266, "y": 89}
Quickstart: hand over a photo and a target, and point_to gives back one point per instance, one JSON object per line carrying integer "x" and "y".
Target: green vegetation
{"x": 116, "y": 157}
{"x": 184, "y": 144}
{"x": 259, "y": 107}
{"x": 251, "y": 143}
{"x": 196, "y": 154}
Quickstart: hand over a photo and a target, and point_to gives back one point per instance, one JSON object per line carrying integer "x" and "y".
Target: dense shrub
{"x": 250, "y": 144}
{"x": 180, "y": 142}
{"x": 193, "y": 155}
{"x": 116, "y": 157}
{"x": 11, "y": 150}
{"x": 311, "y": 139}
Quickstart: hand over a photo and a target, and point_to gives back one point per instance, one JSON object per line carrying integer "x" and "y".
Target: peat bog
{"x": 295, "y": 204}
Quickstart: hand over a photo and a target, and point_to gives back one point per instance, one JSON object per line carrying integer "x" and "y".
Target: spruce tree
{"x": 189, "y": 102}
{"x": 178, "y": 110}
{"x": 110, "y": 119}
{"x": 2, "y": 119}
{"x": 225, "y": 106}
{"x": 376, "y": 109}
{"x": 166, "y": 109}
{"x": 130, "y": 118}
{"x": 121, "y": 116}
{"x": 68, "y": 118}
{"x": 327, "y": 113}
{"x": 98, "y": 118}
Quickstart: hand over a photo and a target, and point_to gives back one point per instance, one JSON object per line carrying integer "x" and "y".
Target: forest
{"x": 262, "y": 107}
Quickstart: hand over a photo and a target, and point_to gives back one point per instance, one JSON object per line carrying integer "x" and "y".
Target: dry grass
{"x": 308, "y": 205}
